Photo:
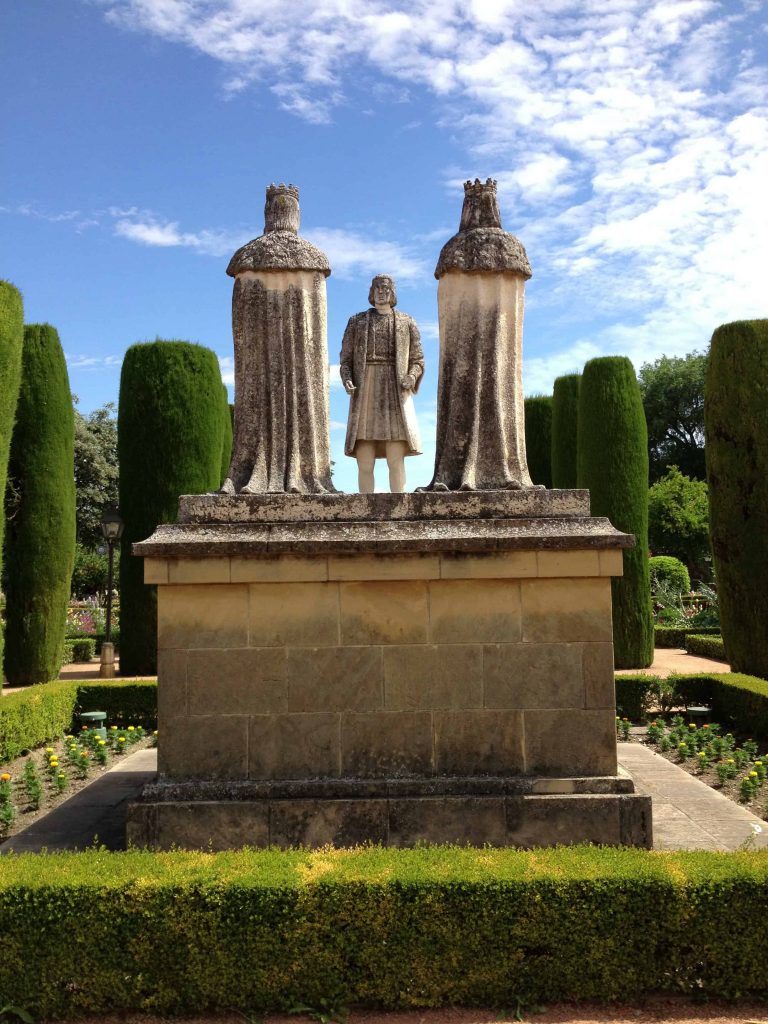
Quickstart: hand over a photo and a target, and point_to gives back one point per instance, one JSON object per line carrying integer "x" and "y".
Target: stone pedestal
{"x": 390, "y": 667}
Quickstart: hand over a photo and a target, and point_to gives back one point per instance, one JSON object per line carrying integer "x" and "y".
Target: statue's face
{"x": 382, "y": 293}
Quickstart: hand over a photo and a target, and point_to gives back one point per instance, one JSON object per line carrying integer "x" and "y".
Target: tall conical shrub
{"x": 40, "y": 539}
{"x": 169, "y": 442}
{"x": 538, "y": 438}
{"x": 11, "y": 341}
{"x": 736, "y": 427}
{"x": 565, "y": 420}
{"x": 226, "y": 434}
{"x": 613, "y": 464}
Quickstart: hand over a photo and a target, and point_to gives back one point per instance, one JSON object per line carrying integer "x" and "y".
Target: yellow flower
{"x": 121, "y": 739}
{"x": 730, "y": 761}
{"x": 102, "y": 743}
{"x": 753, "y": 775}
{"x": 131, "y": 729}
{"x": 5, "y": 777}
{"x": 691, "y": 725}
{"x": 113, "y": 727}
{"x": 49, "y": 750}
{"x": 62, "y": 775}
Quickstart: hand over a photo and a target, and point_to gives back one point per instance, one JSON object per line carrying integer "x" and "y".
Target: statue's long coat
{"x": 409, "y": 358}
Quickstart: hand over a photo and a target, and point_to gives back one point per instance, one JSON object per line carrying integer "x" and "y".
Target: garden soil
{"x": 655, "y": 1011}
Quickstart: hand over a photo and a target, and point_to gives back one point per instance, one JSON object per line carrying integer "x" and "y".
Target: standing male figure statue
{"x": 381, "y": 366}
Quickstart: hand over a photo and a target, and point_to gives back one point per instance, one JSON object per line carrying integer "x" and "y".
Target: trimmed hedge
{"x": 565, "y": 419}
{"x": 674, "y": 636}
{"x": 670, "y": 571}
{"x": 169, "y": 436}
{"x": 736, "y": 426}
{"x": 40, "y": 542}
{"x": 11, "y": 342}
{"x": 706, "y": 646}
{"x": 613, "y": 465}
{"x": 31, "y": 718}
{"x": 538, "y": 438}
{"x": 265, "y": 931}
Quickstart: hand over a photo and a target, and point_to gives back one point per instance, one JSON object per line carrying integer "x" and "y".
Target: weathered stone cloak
{"x": 409, "y": 358}
{"x": 281, "y": 437}
{"x": 480, "y": 443}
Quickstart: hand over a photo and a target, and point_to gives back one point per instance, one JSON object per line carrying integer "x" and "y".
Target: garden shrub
{"x": 170, "y": 424}
{"x": 538, "y": 438}
{"x": 736, "y": 424}
{"x": 613, "y": 464}
{"x": 226, "y": 434}
{"x": 265, "y": 931}
{"x": 40, "y": 546}
{"x": 632, "y": 695}
{"x": 674, "y": 636}
{"x": 83, "y": 648}
{"x": 670, "y": 571}
{"x": 11, "y": 341}
{"x": 68, "y": 652}
{"x": 31, "y": 718}
{"x": 565, "y": 418}
{"x": 705, "y": 646}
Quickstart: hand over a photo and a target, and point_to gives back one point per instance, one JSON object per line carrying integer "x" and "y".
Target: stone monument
{"x": 482, "y": 272}
{"x": 395, "y": 668}
{"x": 281, "y": 437}
{"x": 381, "y": 366}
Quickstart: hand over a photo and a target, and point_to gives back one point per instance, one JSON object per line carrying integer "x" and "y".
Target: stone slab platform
{"x": 499, "y": 812}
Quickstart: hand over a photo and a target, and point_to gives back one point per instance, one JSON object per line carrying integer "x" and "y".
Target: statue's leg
{"x": 396, "y": 463}
{"x": 365, "y": 453}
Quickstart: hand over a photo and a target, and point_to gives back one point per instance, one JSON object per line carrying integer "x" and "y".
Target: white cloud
{"x": 82, "y": 362}
{"x": 147, "y": 230}
{"x": 333, "y": 376}
{"x": 351, "y": 254}
{"x": 227, "y": 367}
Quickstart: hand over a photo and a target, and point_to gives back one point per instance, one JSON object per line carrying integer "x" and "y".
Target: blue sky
{"x": 629, "y": 139}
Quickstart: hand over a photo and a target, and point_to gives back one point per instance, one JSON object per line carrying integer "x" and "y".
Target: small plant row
{"x": 706, "y": 747}
{"x": 75, "y": 757}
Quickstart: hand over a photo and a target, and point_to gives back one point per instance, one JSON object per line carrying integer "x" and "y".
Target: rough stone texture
{"x": 480, "y": 442}
{"x": 281, "y": 431}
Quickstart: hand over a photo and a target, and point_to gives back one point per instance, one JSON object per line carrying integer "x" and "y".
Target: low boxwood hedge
{"x": 706, "y": 646}
{"x": 263, "y": 931}
{"x": 42, "y": 712}
{"x": 674, "y": 636}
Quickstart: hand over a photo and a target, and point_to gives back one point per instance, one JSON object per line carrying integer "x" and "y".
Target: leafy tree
{"x": 678, "y": 520}
{"x": 737, "y": 472}
{"x": 613, "y": 464}
{"x": 538, "y": 438}
{"x": 96, "y": 470}
{"x": 565, "y": 418}
{"x": 673, "y": 400}
{"x": 90, "y": 574}
{"x": 11, "y": 342}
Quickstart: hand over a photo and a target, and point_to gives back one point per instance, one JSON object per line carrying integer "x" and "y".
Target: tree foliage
{"x": 678, "y": 520}
{"x": 41, "y": 524}
{"x": 613, "y": 464}
{"x": 11, "y": 341}
{"x": 565, "y": 418}
{"x": 170, "y": 428}
{"x": 673, "y": 400}
{"x": 538, "y": 438}
{"x": 736, "y": 416}
{"x": 96, "y": 470}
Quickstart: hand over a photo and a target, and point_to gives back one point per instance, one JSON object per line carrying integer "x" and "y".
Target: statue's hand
{"x": 349, "y": 387}
{"x": 408, "y": 383}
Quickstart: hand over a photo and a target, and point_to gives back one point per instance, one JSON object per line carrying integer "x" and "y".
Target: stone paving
{"x": 687, "y": 814}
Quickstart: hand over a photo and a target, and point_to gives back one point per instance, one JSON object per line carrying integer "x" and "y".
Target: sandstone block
{"x": 198, "y": 570}
{"x": 378, "y": 745}
{"x": 171, "y": 684}
{"x": 552, "y": 820}
{"x": 334, "y": 679}
{"x": 570, "y": 742}
{"x": 249, "y": 681}
{"x": 320, "y": 822}
{"x": 611, "y": 562}
{"x": 568, "y": 563}
{"x": 488, "y": 565}
{"x": 555, "y": 610}
{"x": 533, "y": 676}
{"x": 384, "y": 612}
{"x": 286, "y": 569}
{"x": 301, "y": 614}
{"x": 204, "y": 747}
{"x": 384, "y": 567}
{"x": 202, "y": 616}
{"x": 478, "y": 742}
{"x": 199, "y": 825}
{"x": 294, "y": 746}
{"x": 156, "y": 570}
{"x": 427, "y": 677}
{"x": 467, "y": 819}
{"x": 474, "y": 611}
{"x": 599, "y": 679}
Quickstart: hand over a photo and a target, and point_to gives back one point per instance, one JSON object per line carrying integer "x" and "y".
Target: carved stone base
{"x": 520, "y": 812}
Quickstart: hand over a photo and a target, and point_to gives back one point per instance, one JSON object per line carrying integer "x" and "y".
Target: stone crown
{"x": 282, "y": 190}
{"x": 477, "y": 187}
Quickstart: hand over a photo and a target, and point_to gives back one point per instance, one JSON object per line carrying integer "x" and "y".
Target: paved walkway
{"x": 667, "y": 660}
{"x": 687, "y": 814}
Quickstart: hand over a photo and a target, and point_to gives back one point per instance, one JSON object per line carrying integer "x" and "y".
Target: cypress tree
{"x": 565, "y": 419}
{"x": 11, "y": 340}
{"x": 40, "y": 542}
{"x": 538, "y": 438}
{"x": 736, "y": 427}
{"x": 226, "y": 436}
{"x": 613, "y": 463}
{"x": 169, "y": 442}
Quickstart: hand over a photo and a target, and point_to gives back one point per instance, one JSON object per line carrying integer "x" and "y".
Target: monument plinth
{"x": 390, "y": 668}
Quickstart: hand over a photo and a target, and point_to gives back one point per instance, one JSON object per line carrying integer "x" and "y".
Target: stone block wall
{"x": 386, "y": 666}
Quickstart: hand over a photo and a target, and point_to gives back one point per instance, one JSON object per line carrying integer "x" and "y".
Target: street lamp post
{"x": 112, "y": 530}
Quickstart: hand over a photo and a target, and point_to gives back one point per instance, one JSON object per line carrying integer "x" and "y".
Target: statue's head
{"x": 281, "y": 211}
{"x": 378, "y": 284}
